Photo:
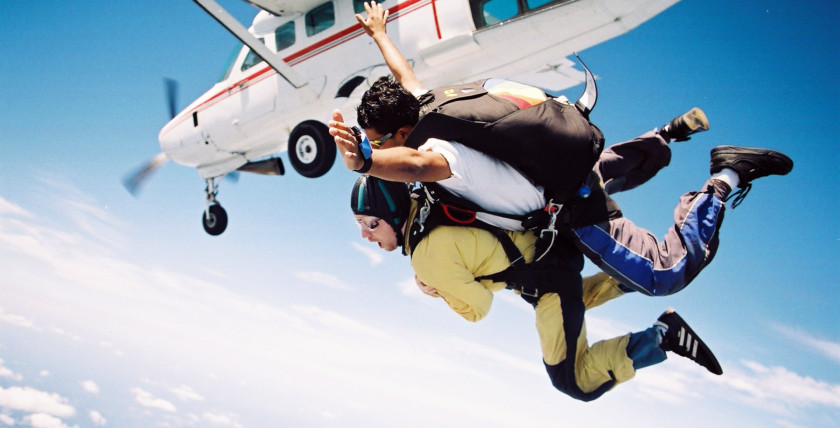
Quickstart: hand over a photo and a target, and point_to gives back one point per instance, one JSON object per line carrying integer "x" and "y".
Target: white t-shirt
{"x": 492, "y": 184}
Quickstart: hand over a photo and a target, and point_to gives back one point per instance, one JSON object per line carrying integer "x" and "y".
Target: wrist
{"x": 365, "y": 166}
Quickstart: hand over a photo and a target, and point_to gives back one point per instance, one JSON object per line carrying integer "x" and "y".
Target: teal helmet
{"x": 384, "y": 199}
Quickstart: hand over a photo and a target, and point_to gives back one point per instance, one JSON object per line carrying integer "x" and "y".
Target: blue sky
{"x": 121, "y": 311}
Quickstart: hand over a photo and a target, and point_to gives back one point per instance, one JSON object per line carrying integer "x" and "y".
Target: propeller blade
{"x": 171, "y": 96}
{"x": 133, "y": 181}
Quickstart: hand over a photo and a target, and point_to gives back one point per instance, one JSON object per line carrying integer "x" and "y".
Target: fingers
{"x": 342, "y": 131}
{"x": 345, "y": 141}
{"x": 425, "y": 288}
{"x": 374, "y": 13}
{"x": 336, "y": 115}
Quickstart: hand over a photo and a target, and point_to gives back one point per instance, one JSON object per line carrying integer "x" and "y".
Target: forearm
{"x": 408, "y": 165}
{"x": 396, "y": 62}
{"x": 439, "y": 263}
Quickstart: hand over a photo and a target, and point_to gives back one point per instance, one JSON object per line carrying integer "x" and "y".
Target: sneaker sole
{"x": 779, "y": 157}
{"x": 696, "y": 120}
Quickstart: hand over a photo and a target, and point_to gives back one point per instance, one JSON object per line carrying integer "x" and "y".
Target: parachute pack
{"x": 550, "y": 141}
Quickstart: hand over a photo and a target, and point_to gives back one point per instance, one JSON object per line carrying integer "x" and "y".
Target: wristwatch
{"x": 364, "y": 150}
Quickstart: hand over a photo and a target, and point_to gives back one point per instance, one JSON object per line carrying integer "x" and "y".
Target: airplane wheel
{"x": 216, "y": 222}
{"x": 311, "y": 149}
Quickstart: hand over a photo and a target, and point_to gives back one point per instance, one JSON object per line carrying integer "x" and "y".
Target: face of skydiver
{"x": 381, "y": 209}
{"x": 379, "y": 140}
{"x": 374, "y": 229}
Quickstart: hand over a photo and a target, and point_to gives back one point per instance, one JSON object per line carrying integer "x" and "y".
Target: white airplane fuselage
{"x": 312, "y": 57}
{"x": 250, "y": 114}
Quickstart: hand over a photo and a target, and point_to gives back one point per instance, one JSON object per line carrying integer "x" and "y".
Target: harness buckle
{"x": 523, "y": 290}
{"x": 549, "y": 233}
{"x": 553, "y": 209}
{"x": 424, "y": 213}
{"x": 525, "y": 293}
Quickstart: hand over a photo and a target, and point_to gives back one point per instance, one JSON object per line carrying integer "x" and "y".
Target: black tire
{"x": 311, "y": 149}
{"x": 216, "y": 222}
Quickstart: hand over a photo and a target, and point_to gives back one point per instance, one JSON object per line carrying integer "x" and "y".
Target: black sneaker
{"x": 680, "y": 339}
{"x": 680, "y": 127}
{"x": 749, "y": 163}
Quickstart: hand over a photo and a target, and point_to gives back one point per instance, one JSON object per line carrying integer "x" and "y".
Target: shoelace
{"x": 739, "y": 196}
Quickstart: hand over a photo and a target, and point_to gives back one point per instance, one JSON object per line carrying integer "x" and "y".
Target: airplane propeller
{"x": 132, "y": 182}
{"x": 135, "y": 180}
{"x": 171, "y": 96}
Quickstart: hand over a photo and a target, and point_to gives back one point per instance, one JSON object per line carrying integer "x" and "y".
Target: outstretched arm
{"x": 394, "y": 164}
{"x": 374, "y": 26}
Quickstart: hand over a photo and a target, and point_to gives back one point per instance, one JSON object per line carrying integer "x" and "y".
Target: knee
{"x": 564, "y": 380}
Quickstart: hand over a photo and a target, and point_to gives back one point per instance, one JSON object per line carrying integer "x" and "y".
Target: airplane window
{"x": 251, "y": 59}
{"x": 320, "y": 18}
{"x": 489, "y": 12}
{"x": 284, "y": 35}
{"x": 231, "y": 60}
{"x": 359, "y": 6}
{"x": 495, "y": 11}
{"x": 533, "y": 4}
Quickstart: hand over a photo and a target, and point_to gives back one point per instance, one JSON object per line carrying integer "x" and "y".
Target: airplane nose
{"x": 166, "y": 140}
{"x": 180, "y": 141}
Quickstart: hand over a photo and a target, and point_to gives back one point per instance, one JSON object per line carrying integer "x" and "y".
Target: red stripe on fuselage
{"x": 315, "y": 50}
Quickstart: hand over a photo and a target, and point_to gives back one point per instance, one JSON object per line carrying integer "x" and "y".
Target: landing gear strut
{"x": 214, "y": 218}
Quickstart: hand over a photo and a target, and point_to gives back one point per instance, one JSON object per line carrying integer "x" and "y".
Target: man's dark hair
{"x": 387, "y": 106}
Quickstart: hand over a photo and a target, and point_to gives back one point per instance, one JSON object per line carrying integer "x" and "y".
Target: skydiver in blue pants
{"x": 635, "y": 257}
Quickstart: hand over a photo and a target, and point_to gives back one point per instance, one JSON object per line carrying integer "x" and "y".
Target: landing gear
{"x": 311, "y": 149}
{"x": 214, "y": 218}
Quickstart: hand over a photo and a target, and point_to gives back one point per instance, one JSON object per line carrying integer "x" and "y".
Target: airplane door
{"x": 254, "y": 96}
{"x": 245, "y": 103}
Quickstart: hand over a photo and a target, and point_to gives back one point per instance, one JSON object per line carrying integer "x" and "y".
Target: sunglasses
{"x": 381, "y": 140}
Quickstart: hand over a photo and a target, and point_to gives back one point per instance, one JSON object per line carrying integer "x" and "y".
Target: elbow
{"x": 417, "y": 169}
{"x": 473, "y": 315}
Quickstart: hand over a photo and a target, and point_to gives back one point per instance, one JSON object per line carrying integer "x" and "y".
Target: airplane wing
{"x": 285, "y": 7}
{"x": 554, "y": 76}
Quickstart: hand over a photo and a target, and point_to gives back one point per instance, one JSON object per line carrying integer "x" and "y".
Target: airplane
{"x": 301, "y": 59}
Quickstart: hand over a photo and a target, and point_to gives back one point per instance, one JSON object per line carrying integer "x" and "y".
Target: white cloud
{"x": 185, "y": 393}
{"x": 89, "y": 215}
{"x": 8, "y": 208}
{"x": 828, "y": 349}
{"x": 97, "y": 418}
{"x": 41, "y": 420}
{"x": 227, "y": 419}
{"x": 676, "y": 381}
{"x": 780, "y": 390}
{"x": 331, "y": 281}
{"x": 17, "y": 320}
{"x": 44, "y": 373}
{"x": 6, "y": 372}
{"x": 6, "y": 419}
{"x": 61, "y": 332}
{"x": 31, "y": 400}
{"x": 374, "y": 254}
{"x": 277, "y": 347}
{"x": 90, "y": 386}
{"x": 788, "y": 424}
{"x": 409, "y": 288}
{"x": 146, "y": 399}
